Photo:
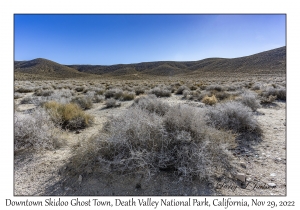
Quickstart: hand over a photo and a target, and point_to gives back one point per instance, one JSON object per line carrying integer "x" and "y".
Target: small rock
{"x": 89, "y": 170}
{"x": 241, "y": 177}
{"x": 80, "y": 178}
{"x": 273, "y": 174}
{"x": 272, "y": 185}
{"x": 243, "y": 164}
{"x": 248, "y": 179}
{"x": 277, "y": 159}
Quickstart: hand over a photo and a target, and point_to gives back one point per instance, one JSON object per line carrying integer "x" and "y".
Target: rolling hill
{"x": 268, "y": 62}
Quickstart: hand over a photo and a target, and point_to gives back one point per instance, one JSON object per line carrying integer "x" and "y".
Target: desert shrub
{"x": 181, "y": 89}
{"x": 113, "y": 93}
{"x": 186, "y": 94}
{"x": 215, "y": 87}
{"x": 63, "y": 96}
{"x": 34, "y": 131}
{"x": 250, "y": 99}
{"x": 209, "y": 100}
{"x": 152, "y": 104}
{"x": 85, "y": 102}
{"x": 233, "y": 116}
{"x": 68, "y": 116}
{"x": 221, "y": 95}
{"x": 160, "y": 92}
{"x": 268, "y": 100}
{"x": 180, "y": 141}
{"x": 99, "y": 91}
{"x": 139, "y": 90}
{"x": 17, "y": 95}
{"x": 193, "y": 87}
{"x": 279, "y": 92}
{"x": 25, "y": 89}
{"x": 41, "y": 92}
{"x": 256, "y": 86}
{"x": 127, "y": 96}
{"x": 111, "y": 102}
{"x": 80, "y": 88}
{"x": 98, "y": 98}
{"x": 29, "y": 100}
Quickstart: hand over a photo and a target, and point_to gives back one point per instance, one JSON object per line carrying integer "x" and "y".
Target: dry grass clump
{"x": 143, "y": 142}
{"x": 209, "y": 100}
{"x": 34, "y": 131}
{"x": 152, "y": 104}
{"x": 161, "y": 91}
{"x": 68, "y": 116}
{"x": 233, "y": 116}
{"x": 85, "y": 102}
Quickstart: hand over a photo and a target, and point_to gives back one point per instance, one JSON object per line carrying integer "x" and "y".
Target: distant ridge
{"x": 46, "y": 68}
{"x": 267, "y": 62}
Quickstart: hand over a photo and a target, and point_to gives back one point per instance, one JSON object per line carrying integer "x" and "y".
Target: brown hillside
{"x": 46, "y": 69}
{"x": 268, "y": 62}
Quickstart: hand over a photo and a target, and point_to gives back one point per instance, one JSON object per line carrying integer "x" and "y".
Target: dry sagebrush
{"x": 140, "y": 141}
{"x": 34, "y": 131}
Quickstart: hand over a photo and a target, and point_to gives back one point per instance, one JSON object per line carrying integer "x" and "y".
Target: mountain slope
{"x": 46, "y": 68}
{"x": 268, "y": 62}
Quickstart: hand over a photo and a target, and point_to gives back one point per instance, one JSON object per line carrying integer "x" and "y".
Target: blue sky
{"x": 115, "y": 39}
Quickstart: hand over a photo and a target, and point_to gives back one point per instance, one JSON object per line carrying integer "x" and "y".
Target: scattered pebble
{"x": 80, "y": 178}
{"x": 241, "y": 177}
{"x": 271, "y": 184}
{"x": 243, "y": 164}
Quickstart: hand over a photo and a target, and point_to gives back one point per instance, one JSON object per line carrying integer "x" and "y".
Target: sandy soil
{"x": 263, "y": 163}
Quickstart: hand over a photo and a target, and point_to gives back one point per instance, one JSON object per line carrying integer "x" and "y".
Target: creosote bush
{"x": 68, "y": 116}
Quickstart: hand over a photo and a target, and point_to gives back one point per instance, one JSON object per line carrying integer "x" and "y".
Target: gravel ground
{"x": 263, "y": 164}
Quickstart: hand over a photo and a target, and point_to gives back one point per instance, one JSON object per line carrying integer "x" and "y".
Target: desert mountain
{"x": 268, "y": 62}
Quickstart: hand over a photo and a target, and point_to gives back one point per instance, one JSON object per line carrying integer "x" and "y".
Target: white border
{"x": 9, "y": 8}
